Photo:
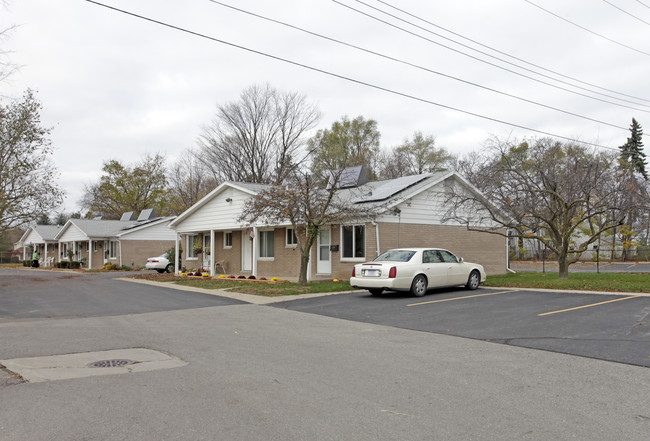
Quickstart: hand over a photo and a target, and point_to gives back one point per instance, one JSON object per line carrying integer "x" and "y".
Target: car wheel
{"x": 376, "y": 291}
{"x": 474, "y": 280}
{"x": 160, "y": 270}
{"x": 419, "y": 286}
{"x": 169, "y": 268}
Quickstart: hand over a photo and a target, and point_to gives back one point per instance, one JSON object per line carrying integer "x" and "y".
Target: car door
{"x": 455, "y": 270}
{"x": 434, "y": 268}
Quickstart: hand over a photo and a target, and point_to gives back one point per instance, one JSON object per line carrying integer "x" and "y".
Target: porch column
{"x": 24, "y": 251}
{"x": 90, "y": 254}
{"x": 255, "y": 251}
{"x": 45, "y": 256}
{"x": 176, "y": 265}
{"x": 212, "y": 251}
{"x": 74, "y": 248}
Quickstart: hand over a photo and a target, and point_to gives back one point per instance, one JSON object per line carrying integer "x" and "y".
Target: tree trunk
{"x": 563, "y": 265}
{"x": 304, "y": 267}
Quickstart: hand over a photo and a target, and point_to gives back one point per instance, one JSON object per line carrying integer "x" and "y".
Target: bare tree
{"x": 564, "y": 195}
{"x": 259, "y": 137}
{"x": 189, "y": 180}
{"x": 307, "y": 202}
{"x": 27, "y": 176}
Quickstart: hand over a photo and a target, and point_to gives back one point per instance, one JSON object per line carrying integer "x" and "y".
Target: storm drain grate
{"x": 111, "y": 363}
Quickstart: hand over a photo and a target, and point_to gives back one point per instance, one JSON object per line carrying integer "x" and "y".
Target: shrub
{"x": 222, "y": 276}
{"x": 274, "y": 279}
{"x": 252, "y": 277}
{"x": 231, "y": 276}
{"x": 241, "y": 277}
{"x": 63, "y": 264}
{"x": 262, "y": 278}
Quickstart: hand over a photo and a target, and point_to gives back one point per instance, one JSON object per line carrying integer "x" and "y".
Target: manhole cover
{"x": 110, "y": 363}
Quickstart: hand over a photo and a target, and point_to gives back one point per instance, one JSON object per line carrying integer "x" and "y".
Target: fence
{"x": 639, "y": 253}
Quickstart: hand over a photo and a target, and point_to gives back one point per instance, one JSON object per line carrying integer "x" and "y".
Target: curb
{"x": 248, "y": 298}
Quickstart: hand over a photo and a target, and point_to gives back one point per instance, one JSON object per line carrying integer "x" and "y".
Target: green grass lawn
{"x": 614, "y": 282}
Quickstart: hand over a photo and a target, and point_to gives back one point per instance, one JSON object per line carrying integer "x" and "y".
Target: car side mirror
{"x": 460, "y": 260}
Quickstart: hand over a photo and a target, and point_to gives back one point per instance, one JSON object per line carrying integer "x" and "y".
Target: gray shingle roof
{"x": 101, "y": 228}
{"x": 47, "y": 232}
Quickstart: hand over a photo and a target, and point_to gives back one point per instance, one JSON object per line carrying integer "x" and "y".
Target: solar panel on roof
{"x": 391, "y": 188}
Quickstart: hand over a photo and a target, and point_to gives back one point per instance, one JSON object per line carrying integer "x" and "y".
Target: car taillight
{"x": 354, "y": 271}
{"x": 154, "y": 261}
{"x": 392, "y": 273}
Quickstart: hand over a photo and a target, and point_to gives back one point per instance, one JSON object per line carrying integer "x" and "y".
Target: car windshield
{"x": 395, "y": 256}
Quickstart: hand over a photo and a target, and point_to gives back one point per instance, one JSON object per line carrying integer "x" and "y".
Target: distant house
{"x": 41, "y": 238}
{"x": 409, "y": 213}
{"x": 130, "y": 242}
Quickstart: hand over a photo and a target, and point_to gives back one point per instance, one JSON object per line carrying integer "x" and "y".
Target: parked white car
{"x": 160, "y": 264}
{"x": 416, "y": 270}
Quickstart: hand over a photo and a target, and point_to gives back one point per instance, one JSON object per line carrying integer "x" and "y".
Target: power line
{"x": 588, "y": 30}
{"x": 407, "y": 63}
{"x": 491, "y": 56}
{"x": 352, "y": 80}
{"x": 625, "y": 12}
{"x": 507, "y": 54}
{"x": 638, "y": 1}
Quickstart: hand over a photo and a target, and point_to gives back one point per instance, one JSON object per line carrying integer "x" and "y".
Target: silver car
{"x": 416, "y": 270}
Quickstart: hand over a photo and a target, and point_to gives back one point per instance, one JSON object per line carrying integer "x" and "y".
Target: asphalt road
{"x": 273, "y": 373}
{"x": 607, "y": 327}
{"x": 35, "y": 293}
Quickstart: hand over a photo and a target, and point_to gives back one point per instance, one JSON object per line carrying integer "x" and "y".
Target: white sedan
{"x": 416, "y": 270}
{"x": 160, "y": 264}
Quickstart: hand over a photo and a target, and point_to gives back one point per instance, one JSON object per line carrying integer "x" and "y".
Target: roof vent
{"x": 147, "y": 214}
{"x": 128, "y": 216}
{"x": 98, "y": 218}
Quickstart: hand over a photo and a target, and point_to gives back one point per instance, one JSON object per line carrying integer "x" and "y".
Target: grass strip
{"x": 610, "y": 282}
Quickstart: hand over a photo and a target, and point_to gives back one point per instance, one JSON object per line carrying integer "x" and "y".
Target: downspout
{"x": 176, "y": 256}
{"x": 255, "y": 252}
{"x": 212, "y": 251}
{"x": 374, "y": 224}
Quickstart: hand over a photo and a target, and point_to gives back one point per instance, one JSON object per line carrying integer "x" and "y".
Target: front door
{"x": 247, "y": 250}
{"x": 324, "y": 261}
{"x": 206, "y": 252}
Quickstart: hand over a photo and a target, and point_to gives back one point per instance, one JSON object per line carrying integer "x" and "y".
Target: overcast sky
{"x": 115, "y": 86}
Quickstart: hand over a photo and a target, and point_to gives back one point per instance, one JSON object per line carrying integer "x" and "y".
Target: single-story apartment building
{"x": 41, "y": 238}
{"x": 129, "y": 241}
{"x": 409, "y": 213}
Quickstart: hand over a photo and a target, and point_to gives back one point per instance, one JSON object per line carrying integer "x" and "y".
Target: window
{"x": 448, "y": 257}
{"x": 292, "y": 240}
{"x": 266, "y": 244}
{"x": 95, "y": 246}
{"x": 189, "y": 246}
{"x": 353, "y": 239}
{"x": 227, "y": 239}
{"x": 113, "y": 250}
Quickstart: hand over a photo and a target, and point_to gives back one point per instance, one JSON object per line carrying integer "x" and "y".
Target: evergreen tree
{"x": 632, "y": 155}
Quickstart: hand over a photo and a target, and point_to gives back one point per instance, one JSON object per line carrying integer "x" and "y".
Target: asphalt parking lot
{"x": 607, "y": 327}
